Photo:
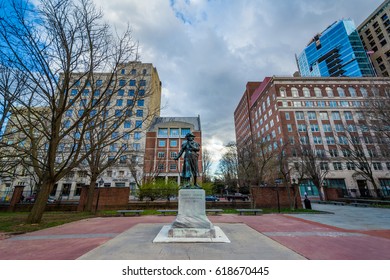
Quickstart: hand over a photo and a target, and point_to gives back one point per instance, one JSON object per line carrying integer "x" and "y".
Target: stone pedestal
{"x": 191, "y": 220}
{"x": 191, "y": 224}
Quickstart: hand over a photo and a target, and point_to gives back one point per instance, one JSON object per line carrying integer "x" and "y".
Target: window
{"x": 336, "y": 115}
{"x": 327, "y": 128}
{"x": 122, "y": 83}
{"x": 352, "y": 91}
{"x": 127, "y": 124}
{"x": 350, "y": 166}
{"x": 80, "y": 113}
{"x": 142, "y": 83}
{"x": 172, "y": 166}
{"x": 141, "y": 102}
{"x": 113, "y": 147}
{"x": 138, "y": 124}
{"x": 163, "y": 132}
{"x": 341, "y": 92}
{"x": 160, "y": 166}
{"x": 330, "y": 140}
{"x": 299, "y": 116}
{"x": 317, "y": 92}
{"x": 74, "y": 92}
{"x": 119, "y": 102}
{"x": 136, "y": 146}
{"x": 133, "y": 71}
{"x": 185, "y": 131}
{"x": 137, "y": 135}
{"x": 314, "y": 127}
{"x": 130, "y": 92}
{"x": 121, "y": 92}
{"x": 323, "y": 115}
{"x": 174, "y": 132}
{"x": 317, "y": 140}
{"x": 352, "y": 128}
{"x": 115, "y": 135}
{"x": 282, "y": 92}
{"x": 306, "y": 92}
{"x": 312, "y": 115}
{"x": 161, "y": 155}
{"x": 141, "y": 92}
{"x": 161, "y": 143}
{"x": 364, "y": 92}
{"x": 287, "y": 115}
{"x": 126, "y": 136}
{"x": 332, "y": 104}
{"x": 132, "y": 83}
{"x": 301, "y": 127}
{"x": 337, "y": 166}
{"x": 289, "y": 128}
{"x": 339, "y": 127}
{"x": 377, "y": 166}
{"x": 129, "y": 102}
{"x": 324, "y": 166}
{"x": 329, "y": 92}
{"x": 173, "y": 143}
{"x": 140, "y": 113}
{"x": 85, "y": 92}
{"x": 348, "y": 115}
{"x": 343, "y": 140}
{"x": 294, "y": 92}
{"x": 333, "y": 153}
{"x": 118, "y": 113}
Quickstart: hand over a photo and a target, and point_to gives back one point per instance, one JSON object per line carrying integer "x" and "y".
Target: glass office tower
{"x": 336, "y": 52}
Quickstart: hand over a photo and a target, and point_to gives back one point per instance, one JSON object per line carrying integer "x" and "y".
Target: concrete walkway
{"x": 346, "y": 233}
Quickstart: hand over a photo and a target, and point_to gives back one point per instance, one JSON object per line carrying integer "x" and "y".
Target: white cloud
{"x": 207, "y": 50}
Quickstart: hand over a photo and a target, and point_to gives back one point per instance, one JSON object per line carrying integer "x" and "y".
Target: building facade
{"x": 320, "y": 114}
{"x": 163, "y": 143}
{"x": 375, "y": 35}
{"x": 336, "y": 52}
{"x": 134, "y": 99}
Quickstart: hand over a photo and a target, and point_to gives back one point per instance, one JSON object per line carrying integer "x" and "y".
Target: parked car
{"x": 31, "y": 199}
{"x": 211, "y": 198}
{"x": 237, "y": 196}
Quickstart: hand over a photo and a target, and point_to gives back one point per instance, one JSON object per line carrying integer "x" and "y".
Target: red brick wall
{"x": 106, "y": 198}
{"x": 332, "y": 194}
{"x": 267, "y": 197}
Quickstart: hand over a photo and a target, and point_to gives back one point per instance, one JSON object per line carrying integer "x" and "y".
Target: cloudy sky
{"x": 206, "y": 51}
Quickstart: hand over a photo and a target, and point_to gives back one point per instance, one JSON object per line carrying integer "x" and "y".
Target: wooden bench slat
{"x": 255, "y": 211}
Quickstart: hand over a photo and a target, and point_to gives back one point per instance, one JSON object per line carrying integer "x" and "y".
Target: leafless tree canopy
{"x": 60, "y": 46}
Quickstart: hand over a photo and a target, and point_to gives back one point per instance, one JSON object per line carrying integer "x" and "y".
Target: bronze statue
{"x": 190, "y": 148}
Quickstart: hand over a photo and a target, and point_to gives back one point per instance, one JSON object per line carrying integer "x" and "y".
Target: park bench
{"x": 215, "y": 211}
{"x": 135, "y": 212}
{"x": 357, "y": 204}
{"x": 163, "y": 212}
{"x": 254, "y": 211}
{"x": 338, "y": 203}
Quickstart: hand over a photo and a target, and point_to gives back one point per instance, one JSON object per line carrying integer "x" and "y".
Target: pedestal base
{"x": 192, "y": 232}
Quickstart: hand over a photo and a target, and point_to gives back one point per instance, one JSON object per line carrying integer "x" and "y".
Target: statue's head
{"x": 190, "y": 136}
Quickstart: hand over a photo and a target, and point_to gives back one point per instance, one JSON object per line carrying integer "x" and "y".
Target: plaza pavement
{"x": 339, "y": 233}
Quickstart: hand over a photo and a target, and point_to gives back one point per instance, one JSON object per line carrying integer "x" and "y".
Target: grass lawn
{"x": 15, "y": 222}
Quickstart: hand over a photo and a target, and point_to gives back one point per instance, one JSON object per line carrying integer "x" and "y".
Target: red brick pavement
{"x": 310, "y": 239}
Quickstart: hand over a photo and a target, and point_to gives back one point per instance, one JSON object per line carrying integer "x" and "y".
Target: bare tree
{"x": 206, "y": 165}
{"x": 228, "y": 166}
{"x": 49, "y": 43}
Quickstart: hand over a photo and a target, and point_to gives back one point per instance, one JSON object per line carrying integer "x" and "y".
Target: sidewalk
{"x": 349, "y": 234}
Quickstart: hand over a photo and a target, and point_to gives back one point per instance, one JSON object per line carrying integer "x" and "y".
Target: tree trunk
{"x": 90, "y": 196}
{"x": 39, "y": 206}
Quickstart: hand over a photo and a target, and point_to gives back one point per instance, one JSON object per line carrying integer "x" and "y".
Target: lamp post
{"x": 100, "y": 182}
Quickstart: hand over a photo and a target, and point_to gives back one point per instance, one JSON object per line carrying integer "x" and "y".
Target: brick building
{"x": 318, "y": 112}
{"x": 163, "y": 143}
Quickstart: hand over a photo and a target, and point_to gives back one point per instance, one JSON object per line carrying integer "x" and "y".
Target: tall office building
{"x": 320, "y": 114}
{"x": 163, "y": 143}
{"x": 134, "y": 97}
{"x": 336, "y": 52}
{"x": 375, "y": 35}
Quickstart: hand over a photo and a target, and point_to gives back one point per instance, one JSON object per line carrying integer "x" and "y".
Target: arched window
{"x": 306, "y": 92}
{"x": 282, "y": 92}
{"x": 329, "y": 92}
{"x": 341, "y": 92}
{"x": 363, "y": 91}
{"x": 317, "y": 92}
{"x": 352, "y": 91}
{"x": 294, "y": 92}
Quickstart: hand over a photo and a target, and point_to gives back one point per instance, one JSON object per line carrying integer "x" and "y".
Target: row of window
{"x": 331, "y": 104}
{"x": 172, "y": 166}
{"x": 118, "y": 102}
{"x": 121, "y": 92}
{"x": 335, "y": 115}
{"x": 173, "y": 132}
{"x": 352, "y": 166}
{"x": 121, "y": 82}
{"x": 162, "y": 155}
{"x": 305, "y": 92}
{"x": 162, "y": 143}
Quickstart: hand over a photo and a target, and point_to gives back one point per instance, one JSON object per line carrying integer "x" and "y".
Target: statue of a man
{"x": 190, "y": 148}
